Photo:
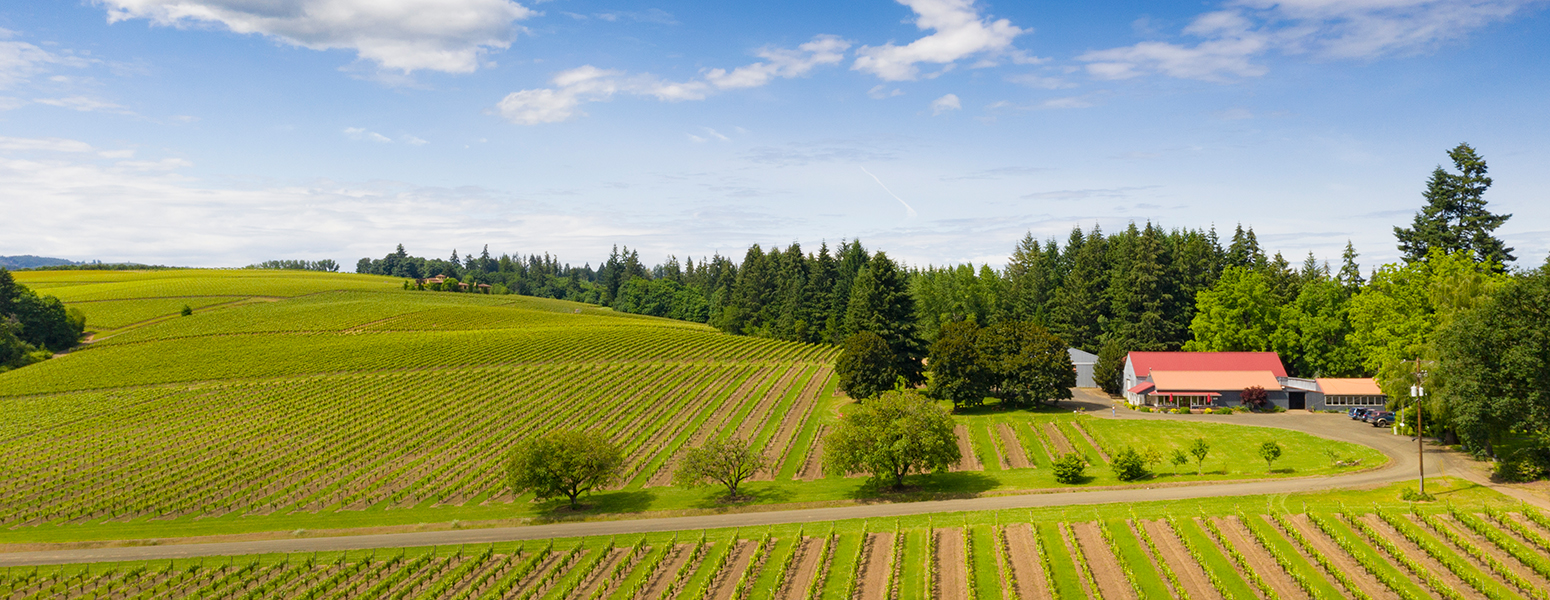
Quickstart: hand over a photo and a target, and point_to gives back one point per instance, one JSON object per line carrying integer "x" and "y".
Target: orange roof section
{"x": 1145, "y": 363}
{"x": 1179, "y": 381}
{"x": 1357, "y": 386}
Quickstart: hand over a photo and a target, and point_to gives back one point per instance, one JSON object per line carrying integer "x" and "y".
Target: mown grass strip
{"x": 1147, "y": 582}
{"x": 1305, "y": 575}
{"x": 1217, "y": 567}
{"x": 1061, "y": 568}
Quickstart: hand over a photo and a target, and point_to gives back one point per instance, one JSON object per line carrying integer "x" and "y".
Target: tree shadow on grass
{"x": 622, "y": 501}
{"x": 717, "y": 498}
{"x": 931, "y": 486}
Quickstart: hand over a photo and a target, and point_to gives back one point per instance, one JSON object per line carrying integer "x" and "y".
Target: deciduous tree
{"x": 728, "y": 462}
{"x": 865, "y": 367}
{"x": 892, "y": 436}
{"x": 564, "y": 463}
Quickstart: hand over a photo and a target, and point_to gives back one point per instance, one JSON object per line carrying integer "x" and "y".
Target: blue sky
{"x": 225, "y": 132}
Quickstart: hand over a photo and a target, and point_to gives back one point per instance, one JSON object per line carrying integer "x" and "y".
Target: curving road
{"x": 1400, "y": 450}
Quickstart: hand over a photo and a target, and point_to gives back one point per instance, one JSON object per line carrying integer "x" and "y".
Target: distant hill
{"x": 28, "y": 261}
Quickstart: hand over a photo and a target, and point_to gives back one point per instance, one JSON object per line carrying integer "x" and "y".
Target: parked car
{"x": 1360, "y": 414}
{"x": 1355, "y": 412}
{"x": 1382, "y": 418}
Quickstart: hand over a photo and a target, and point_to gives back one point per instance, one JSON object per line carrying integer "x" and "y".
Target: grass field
{"x": 1477, "y": 544}
{"x": 324, "y": 401}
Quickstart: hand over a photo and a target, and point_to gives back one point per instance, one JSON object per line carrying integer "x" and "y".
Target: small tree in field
{"x": 890, "y": 436}
{"x": 729, "y": 462}
{"x": 1255, "y": 397}
{"x": 565, "y": 463}
{"x": 1128, "y": 465}
{"x": 1069, "y": 467}
{"x": 1179, "y": 459}
{"x": 1270, "y": 451}
{"x": 1200, "y": 449}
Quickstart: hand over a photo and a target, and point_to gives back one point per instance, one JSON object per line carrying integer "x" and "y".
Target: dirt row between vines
{"x": 875, "y": 572}
{"x": 1014, "y": 456}
{"x": 1058, "y": 439}
{"x": 969, "y": 461}
{"x": 1263, "y": 563}
{"x": 1026, "y": 566}
{"x": 791, "y": 424}
{"x": 952, "y": 576}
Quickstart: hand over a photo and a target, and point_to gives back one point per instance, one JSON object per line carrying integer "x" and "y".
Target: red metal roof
{"x": 1147, "y": 362}
{"x": 1142, "y": 388}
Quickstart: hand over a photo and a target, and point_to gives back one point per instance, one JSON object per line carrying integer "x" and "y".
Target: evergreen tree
{"x": 1455, "y": 216}
{"x": 849, "y": 260}
{"x": 880, "y": 302}
{"x": 1080, "y": 305}
{"x": 1030, "y": 282}
{"x": 1350, "y": 273}
{"x": 1141, "y": 294}
{"x": 1109, "y": 371}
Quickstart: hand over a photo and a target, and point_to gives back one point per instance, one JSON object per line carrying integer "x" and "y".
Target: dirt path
{"x": 670, "y": 566}
{"x": 812, "y": 468}
{"x": 952, "y": 579}
{"x": 1427, "y": 562}
{"x": 724, "y": 584}
{"x": 1107, "y": 571}
{"x": 969, "y": 462}
{"x": 875, "y": 573}
{"x": 1327, "y": 547}
{"x": 1015, "y": 456}
{"x": 803, "y": 569}
{"x": 1195, "y": 582}
{"x": 1260, "y": 560}
{"x": 1025, "y": 563}
{"x": 1058, "y": 439}
{"x": 1496, "y": 552}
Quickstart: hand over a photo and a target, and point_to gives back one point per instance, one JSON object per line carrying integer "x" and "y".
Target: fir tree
{"x": 1080, "y": 306}
{"x": 1455, "y": 216}
{"x": 1350, "y": 272}
{"x": 880, "y": 302}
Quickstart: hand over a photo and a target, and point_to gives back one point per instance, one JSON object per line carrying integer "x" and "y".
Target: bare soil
{"x": 813, "y": 468}
{"x": 595, "y": 578}
{"x": 1106, "y": 568}
{"x": 1062, "y": 445}
{"x": 712, "y": 424}
{"x": 791, "y": 423}
{"x": 754, "y": 420}
{"x": 1259, "y": 558}
{"x": 1013, "y": 453}
{"x": 669, "y": 568}
{"x": 952, "y": 580}
{"x": 969, "y": 462}
{"x": 1194, "y": 580}
{"x": 875, "y": 574}
{"x": 1532, "y": 526}
{"x": 1513, "y": 564}
{"x": 803, "y": 569}
{"x": 1343, "y": 561}
{"x": 1026, "y": 566}
{"x": 1417, "y": 554}
{"x": 723, "y": 584}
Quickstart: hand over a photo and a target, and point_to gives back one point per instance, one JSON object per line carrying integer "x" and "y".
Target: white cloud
{"x": 880, "y": 91}
{"x": 945, "y": 103}
{"x": 1043, "y": 83}
{"x": 412, "y": 140}
{"x": 46, "y": 144}
{"x": 1068, "y": 102}
{"x": 361, "y": 134}
{"x": 959, "y": 32}
{"x": 84, "y": 104}
{"x": 1244, "y": 30}
{"x": 397, "y": 35}
{"x": 20, "y": 60}
{"x": 587, "y": 83}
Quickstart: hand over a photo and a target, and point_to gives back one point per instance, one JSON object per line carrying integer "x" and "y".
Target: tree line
{"x": 33, "y": 327}
{"x": 326, "y": 265}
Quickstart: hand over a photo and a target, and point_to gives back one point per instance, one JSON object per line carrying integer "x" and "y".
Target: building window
{"x": 1355, "y": 400}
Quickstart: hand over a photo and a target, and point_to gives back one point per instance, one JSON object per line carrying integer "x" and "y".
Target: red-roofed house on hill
{"x": 1207, "y": 379}
{"x": 1201, "y": 379}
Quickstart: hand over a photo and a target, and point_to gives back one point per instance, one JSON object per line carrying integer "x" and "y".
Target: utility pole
{"x": 1418, "y": 391}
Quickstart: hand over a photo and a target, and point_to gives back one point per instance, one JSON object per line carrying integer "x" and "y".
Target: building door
{"x": 1297, "y": 401}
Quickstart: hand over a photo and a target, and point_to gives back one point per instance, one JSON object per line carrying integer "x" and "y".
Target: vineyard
{"x": 343, "y": 399}
{"x": 1491, "y": 551}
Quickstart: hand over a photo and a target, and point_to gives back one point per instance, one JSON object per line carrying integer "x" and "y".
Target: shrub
{"x": 187, "y": 310}
{"x": 1069, "y": 468}
{"x": 1222, "y": 410}
{"x": 1128, "y": 465}
{"x": 1255, "y": 397}
{"x": 1180, "y": 411}
{"x": 1145, "y": 409}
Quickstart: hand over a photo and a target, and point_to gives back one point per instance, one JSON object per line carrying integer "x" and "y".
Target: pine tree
{"x": 880, "y": 302}
{"x": 1141, "y": 295}
{"x": 1455, "y": 216}
{"x": 1080, "y": 305}
{"x": 1029, "y": 275}
{"x": 1350, "y": 272}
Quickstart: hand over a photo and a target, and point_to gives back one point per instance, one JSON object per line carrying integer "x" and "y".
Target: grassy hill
{"x": 313, "y": 391}
{"x": 321, "y": 401}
